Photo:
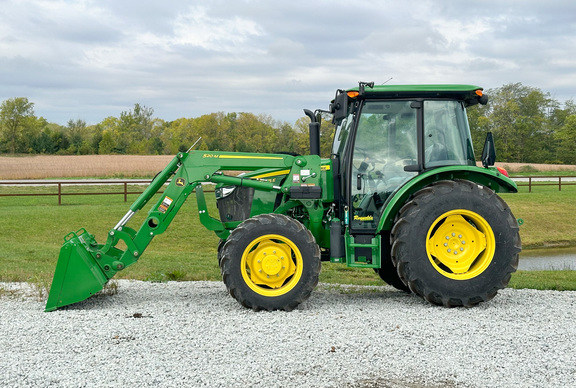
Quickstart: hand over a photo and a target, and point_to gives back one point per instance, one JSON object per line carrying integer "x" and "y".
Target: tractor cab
{"x": 386, "y": 135}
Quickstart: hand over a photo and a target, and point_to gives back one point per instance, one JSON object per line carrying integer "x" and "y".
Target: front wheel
{"x": 455, "y": 243}
{"x": 270, "y": 262}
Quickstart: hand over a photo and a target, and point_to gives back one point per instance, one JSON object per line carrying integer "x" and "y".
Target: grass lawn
{"x": 33, "y": 229}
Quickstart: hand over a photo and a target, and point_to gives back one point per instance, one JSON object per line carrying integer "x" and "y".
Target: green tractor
{"x": 401, "y": 194}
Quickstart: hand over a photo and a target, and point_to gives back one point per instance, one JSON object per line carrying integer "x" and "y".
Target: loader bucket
{"x": 78, "y": 276}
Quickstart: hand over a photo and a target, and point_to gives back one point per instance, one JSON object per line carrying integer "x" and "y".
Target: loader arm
{"x": 84, "y": 266}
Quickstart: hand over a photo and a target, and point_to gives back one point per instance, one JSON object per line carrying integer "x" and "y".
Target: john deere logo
{"x": 180, "y": 182}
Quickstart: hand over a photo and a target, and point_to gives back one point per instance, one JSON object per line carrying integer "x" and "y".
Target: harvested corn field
{"x": 142, "y": 166}
{"x": 82, "y": 166}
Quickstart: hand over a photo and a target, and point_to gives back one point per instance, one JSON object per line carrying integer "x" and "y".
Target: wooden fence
{"x": 545, "y": 181}
{"x": 528, "y": 181}
{"x": 61, "y": 185}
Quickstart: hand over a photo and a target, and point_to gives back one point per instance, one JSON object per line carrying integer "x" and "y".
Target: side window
{"x": 385, "y": 142}
{"x": 341, "y": 135}
{"x": 446, "y": 134}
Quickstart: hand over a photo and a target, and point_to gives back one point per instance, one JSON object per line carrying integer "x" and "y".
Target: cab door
{"x": 384, "y": 142}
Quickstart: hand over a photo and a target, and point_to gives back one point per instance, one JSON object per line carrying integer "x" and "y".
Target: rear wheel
{"x": 455, "y": 243}
{"x": 270, "y": 262}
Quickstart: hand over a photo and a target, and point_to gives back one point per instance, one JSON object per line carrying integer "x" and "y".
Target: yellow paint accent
{"x": 460, "y": 244}
{"x": 271, "y": 265}
{"x": 250, "y": 157}
{"x": 271, "y": 174}
{"x": 325, "y": 168}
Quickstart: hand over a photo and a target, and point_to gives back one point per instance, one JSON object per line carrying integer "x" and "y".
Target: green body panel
{"x": 489, "y": 177}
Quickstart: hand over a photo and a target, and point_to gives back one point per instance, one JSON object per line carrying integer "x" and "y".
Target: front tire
{"x": 270, "y": 262}
{"x": 455, "y": 243}
{"x": 387, "y": 270}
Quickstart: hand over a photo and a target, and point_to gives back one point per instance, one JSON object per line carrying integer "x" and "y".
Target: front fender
{"x": 489, "y": 177}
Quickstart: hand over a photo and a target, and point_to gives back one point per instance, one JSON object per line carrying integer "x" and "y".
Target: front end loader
{"x": 400, "y": 193}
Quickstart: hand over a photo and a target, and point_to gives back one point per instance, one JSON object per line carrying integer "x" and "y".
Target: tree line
{"x": 529, "y": 126}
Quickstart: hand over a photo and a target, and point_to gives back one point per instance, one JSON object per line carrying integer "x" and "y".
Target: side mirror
{"x": 489, "y": 151}
{"x": 339, "y": 106}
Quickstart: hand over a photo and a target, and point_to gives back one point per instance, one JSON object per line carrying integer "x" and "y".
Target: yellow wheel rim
{"x": 271, "y": 265}
{"x": 460, "y": 244}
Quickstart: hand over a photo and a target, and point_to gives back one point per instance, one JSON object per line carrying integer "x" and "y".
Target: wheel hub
{"x": 457, "y": 247}
{"x": 270, "y": 264}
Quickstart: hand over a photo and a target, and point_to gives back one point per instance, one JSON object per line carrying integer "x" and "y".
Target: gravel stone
{"x": 194, "y": 334}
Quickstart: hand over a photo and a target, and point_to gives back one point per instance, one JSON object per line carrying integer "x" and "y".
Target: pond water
{"x": 550, "y": 259}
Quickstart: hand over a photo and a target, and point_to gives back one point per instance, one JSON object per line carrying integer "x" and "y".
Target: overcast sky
{"x": 93, "y": 59}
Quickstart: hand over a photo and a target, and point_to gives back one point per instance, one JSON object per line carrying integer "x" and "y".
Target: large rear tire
{"x": 455, "y": 243}
{"x": 270, "y": 262}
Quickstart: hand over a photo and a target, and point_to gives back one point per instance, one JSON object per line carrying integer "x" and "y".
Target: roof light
{"x": 479, "y": 92}
{"x": 353, "y": 94}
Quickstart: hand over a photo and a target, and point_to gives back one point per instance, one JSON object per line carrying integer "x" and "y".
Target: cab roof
{"x": 459, "y": 92}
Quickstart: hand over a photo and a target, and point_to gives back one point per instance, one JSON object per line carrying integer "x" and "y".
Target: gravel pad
{"x": 193, "y": 334}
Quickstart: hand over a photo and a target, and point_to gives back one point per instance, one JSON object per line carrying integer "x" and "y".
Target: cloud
{"x": 198, "y": 29}
{"x": 92, "y": 59}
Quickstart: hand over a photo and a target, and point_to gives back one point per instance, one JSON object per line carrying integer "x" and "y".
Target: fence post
{"x": 559, "y": 183}
{"x": 59, "y": 193}
{"x": 125, "y": 191}
{"x": 529, "y": 184}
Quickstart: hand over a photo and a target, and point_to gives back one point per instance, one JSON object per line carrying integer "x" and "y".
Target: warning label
{"x": 166, "y": 202}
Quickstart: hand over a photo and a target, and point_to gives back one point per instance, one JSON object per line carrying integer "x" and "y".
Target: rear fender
{"x": 489, "y": 177}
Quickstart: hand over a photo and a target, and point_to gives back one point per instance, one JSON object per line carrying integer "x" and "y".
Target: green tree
{"x": 76, "y": 131}
{"x": 111, "y": 141}
{"x": 566, "y": 137}
{"x": 137, "y": 129}
{"x": 15, "y": 117}
{"x": 215, "y": 130}
{"x": 179, "y": 135}
{"x": 518, "y": 116}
